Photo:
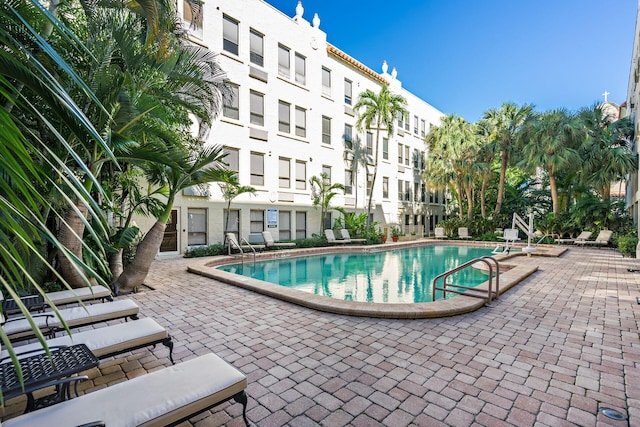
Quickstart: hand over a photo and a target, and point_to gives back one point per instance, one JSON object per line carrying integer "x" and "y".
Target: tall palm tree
{"x": 378, "y": 111}
{"x": 550, "y": 140}
{"x": 501, "y": 127}
{"x": 231, "y": 189}
{"x": 452, "y": 150}
{"x": 607, "y": 154}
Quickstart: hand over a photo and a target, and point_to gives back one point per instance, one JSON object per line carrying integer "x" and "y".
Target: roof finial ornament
{"x": 316, "y": 21}
{"x": 385, "y": 67}
{"x": 394, "y": 73}
{"x": 299, "y": 9}
{"x": 606, "y": 95}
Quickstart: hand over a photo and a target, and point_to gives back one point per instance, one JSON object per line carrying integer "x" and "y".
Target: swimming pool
{"x": 397, "y": 276}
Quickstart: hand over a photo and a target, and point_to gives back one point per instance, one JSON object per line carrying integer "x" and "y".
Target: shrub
{"x": 201, "y": 251}
{"x": 627, "y": 245}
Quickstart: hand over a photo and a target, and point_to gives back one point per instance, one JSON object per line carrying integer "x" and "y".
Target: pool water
{"x": 397, "y": 276}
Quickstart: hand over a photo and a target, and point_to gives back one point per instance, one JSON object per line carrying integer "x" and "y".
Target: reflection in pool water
{"x": 398, "y": 276}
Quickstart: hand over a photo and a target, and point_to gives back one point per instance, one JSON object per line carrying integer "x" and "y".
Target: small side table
{"x": 40, "y": 371}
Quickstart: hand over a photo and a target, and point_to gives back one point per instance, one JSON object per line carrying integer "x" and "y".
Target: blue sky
{"x": 467, "y": 56}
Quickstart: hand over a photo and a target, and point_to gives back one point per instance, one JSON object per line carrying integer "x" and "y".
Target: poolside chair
{"x": 463, "y": 233}
{"x": 603, "y": 239}
{"x": 164, "y": 397}
{"x": 439, "y": 233}
{"x": 582, "y": 238}
{"x": 59, "y": 298}
{"x": 346, "y": 237}
{"x": 18, "y": 328}
{"x": 331, "y": 238}
{"x": 109, "y": 340}
{"x": 510, "y": 235}
{"x": 270, "y": 243}
{"x": 233, "y": 243}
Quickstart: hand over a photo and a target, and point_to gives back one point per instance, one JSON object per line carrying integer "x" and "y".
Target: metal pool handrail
{"x": 471, "y": 291}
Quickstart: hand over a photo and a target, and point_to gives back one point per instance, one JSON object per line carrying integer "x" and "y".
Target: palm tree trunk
{"x": 483, "y": 204}
{"x": 70, "y": 236}
{"x": 553, "y": 186}
{"x": 116, "y": 264}
{"x": 503, "y": 178}
{"x": 460, "y": 200}
{"x": 136, "y": 272}
{"x": 375, "y": 173}
{"x": 467, "y": 190}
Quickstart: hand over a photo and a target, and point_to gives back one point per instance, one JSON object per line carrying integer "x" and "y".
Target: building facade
{"x": 630, "y": 109}
{"x": 292, "y": 118}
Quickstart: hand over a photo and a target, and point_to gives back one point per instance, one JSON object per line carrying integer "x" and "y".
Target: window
{"x": 192, "y": 14}
{"x": 348, "y": 87}
{"x": 301, "y": 175}
{"x": 284, "y": 225}
{"x": 407, "y": 157}
{"x": 407, "y": 191}
{"x": 301, "y": 69}
{"x": 400, "y": 191}
{"x": 385, "y": 148}
{"x": 231, "y": 104}
{"x": 284, "y": 117}
{"x": 232, "y": 159}
{"x": 416, "y": 159}
{"x": 301, "y": 225}
{"x": 284, "y": 61}
{"x": 256, "y": 101}
{"x": 415, "y": 124}
{"x": 400, "y": 154}
{"x": 326, "y": 81}
{"x": 399, "y": 120}
{"x": 284, "y": 173}
{"x": 369, "y": 144}
{"x": 348, "y": 135}
{"x": 326, "y": 130}
{"x": 301, "y": 122}
{"x": 257, "y": 169}
{"x": 256, "y": 48}
{"x": 256, "y": 221}
{"x": 423, "y": 127}
{"x": 348, "y": 181}
{"x": 423, "y": 193}
{"x": 369, "y": 184}
{"x": 416, "y": 192}
{"x": 229, "y": 34}
{"x": 385, "y": 187}
{"x": 233, "y": 221}
{"x": 406, "y": 122}
{"x": 197, "y": 227}
{"x": 326, "y": 171}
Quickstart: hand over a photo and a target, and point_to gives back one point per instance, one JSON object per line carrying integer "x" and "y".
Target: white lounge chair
{"x": 582, "y": 237}
{"x": 233, "y": 243}
{"x": 347, "y": 237}
{"x": 439, "y": 233}
{"x": 164, "y": 397}
{"x": 270, "y": 243}
{"x": 603, "y": 239}
{"x": 510, "y": 235}
{"x": 59, "y": 298}
{"x": 463, "y": 233}
{"x": 109, "y": 340}
{"x": 331, "y": 238}
{"x": 18, "y": 328}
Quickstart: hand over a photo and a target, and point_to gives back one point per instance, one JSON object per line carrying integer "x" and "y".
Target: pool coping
{"x": 460, "y": 304}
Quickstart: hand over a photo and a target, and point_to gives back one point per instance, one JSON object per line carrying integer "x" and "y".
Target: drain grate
{"x": 613, "y": 414}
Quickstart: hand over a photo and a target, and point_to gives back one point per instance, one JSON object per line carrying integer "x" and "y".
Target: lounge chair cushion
{"x": 112, "y": 339}
{"x": 74, "y": 317}
{"x": 158, "y": 398}
{"x": 83, "y": 294}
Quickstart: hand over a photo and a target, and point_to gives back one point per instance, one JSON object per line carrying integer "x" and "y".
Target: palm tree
{"x": 322, "y": 192}
{"x": 550, "y": 141}
{"x": 378, "y": 110}
{"x": 607, "y": 153}
{"x": 452, "y": 151}
{"x": 231, "y": 189}
{"x": 173, "y": 169}
{"x": 501, "y": 127}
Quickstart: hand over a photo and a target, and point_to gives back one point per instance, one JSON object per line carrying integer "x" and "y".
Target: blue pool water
{"x": 397, "y": 276}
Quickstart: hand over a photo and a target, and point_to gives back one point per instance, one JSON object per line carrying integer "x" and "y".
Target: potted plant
{"x": 396, "y": 232}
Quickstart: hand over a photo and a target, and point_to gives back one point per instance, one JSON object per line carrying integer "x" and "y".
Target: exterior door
{"x": 170, "y": 239}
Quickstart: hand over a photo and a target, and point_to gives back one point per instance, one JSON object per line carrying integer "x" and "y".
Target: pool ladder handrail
{"x": 239, "y": 247}
{"x": 489, "y": 295}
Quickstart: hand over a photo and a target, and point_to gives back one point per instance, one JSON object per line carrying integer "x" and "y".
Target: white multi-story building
{"x": 630, "y": 109}
{"x": 292, "y": 118}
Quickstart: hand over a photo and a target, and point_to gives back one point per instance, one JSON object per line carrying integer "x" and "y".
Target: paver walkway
{"x": 550, "y": 352}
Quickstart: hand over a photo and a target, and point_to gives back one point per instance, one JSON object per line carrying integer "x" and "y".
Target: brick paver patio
{"x": 550, "y": 352}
